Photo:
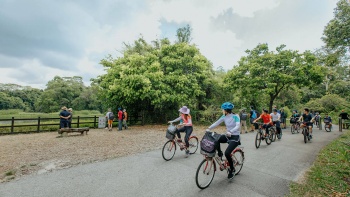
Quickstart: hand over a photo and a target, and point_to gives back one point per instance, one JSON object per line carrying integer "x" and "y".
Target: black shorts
{"x": 309, "y": 124}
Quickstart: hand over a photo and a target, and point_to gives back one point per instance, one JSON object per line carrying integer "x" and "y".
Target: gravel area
{"x": 44, "y": 152}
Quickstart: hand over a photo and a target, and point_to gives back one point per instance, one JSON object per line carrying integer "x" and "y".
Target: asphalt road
{"x": 267, "y": 171}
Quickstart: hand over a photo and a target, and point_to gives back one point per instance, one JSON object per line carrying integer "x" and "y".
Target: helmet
{"x": 227, "y": 105}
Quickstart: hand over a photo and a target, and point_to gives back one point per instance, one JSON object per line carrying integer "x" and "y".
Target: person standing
{"x": 120, "y": 119}
{"x": 344, "y": 116}
{"x": 283, "y": 119}
{"x": 110, "y": 118}
{"x": 253, "y": 115}
{"x": 64, "y": 116}
{"x": 243, "y": 117}
{"x": 125, "y": 118}
{"x": 70, "y": 110}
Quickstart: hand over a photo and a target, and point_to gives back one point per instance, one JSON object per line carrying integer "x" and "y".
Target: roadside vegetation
{"x": 330, "y": 173}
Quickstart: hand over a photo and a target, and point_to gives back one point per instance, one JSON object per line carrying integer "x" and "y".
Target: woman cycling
{"x": 187, "y": 122}
{"x": 232, "y": 135}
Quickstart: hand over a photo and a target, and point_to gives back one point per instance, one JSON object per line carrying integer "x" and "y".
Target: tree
{"x": 156, "y": 77}
{"x": 266, "y": 73}
{"x": 337, "y": 32}
{"x": 183, "y": 34}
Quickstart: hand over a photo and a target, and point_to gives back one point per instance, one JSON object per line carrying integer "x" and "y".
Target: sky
{"x": 40, "y": 39}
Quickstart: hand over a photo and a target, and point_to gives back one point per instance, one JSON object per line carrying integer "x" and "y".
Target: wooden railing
{"x": 77, "y": 121}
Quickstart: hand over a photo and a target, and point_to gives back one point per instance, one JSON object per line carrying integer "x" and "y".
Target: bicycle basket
{"x": 293, "y": 120}
{"x": 208, "y": 144}
{"x": 170, "y": 132}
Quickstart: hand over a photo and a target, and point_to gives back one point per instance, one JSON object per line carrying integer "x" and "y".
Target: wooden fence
{"x": 77, "y": 121}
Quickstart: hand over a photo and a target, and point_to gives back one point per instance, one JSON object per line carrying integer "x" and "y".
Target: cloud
{"x": 41, "y": 39}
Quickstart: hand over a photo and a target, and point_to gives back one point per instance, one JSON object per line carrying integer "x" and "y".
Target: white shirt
{"x": 275, "y": 117}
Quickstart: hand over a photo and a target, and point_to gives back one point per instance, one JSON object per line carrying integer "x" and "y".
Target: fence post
{"x": 320, "y": 123}
{"x": 78, "y": 122}
{"x": 38, "y": 129}
{"x": 340, "y": 125}
{"x": 12, "y": 124}
{"x": 95, "y": 122}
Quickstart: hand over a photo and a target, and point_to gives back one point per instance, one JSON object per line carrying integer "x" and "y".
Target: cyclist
{"x": 327, "y": 120}
{"x": 266, "y": 119}
{"x": 187, "y": 128}
{"x": 276, "y": 119}
{"x": 232, "y": 135}
{"x": 307, "y": 119}
{"x": 317, "y": 118}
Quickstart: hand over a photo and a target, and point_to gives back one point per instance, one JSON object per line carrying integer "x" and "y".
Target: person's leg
{"x": 241, "y": 126}
{"x": 182, "y": 129}
{"x": 120, "y": 126}
{"x": 245, "y": 126}
{"x": 61, "y": 124}
{"x": 188, "y": 130}
{"x": 222, "y": 139}
{"x": 278, "y": 127}
{"x": 232, "y": 145}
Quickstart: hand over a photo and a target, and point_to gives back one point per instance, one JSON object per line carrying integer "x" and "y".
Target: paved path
{"x": 267, "y": 172}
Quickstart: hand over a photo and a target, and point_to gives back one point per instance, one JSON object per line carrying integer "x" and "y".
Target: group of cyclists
{"x": 232, "y": 123}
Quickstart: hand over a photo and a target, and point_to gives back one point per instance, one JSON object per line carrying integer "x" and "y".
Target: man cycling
{"x": 276, "y": 119}
{"x": 327, "y": 120}
{"x": 232, "y": 135}
{"x": 307, "y": 119}
{"x": 266, "y": 119}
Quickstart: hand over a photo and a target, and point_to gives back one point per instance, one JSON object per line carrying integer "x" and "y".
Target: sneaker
{"x": 246, "y": 132}
{"x": 187, "y": 153}
{"x": 231, "y": 174}
{"x": 310, "y": 136}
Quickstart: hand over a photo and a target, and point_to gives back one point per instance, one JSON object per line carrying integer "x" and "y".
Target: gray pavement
{"x": 267, "y": 171}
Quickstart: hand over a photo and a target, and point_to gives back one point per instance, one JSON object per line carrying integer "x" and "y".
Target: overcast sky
{"x": 40, "y": 39}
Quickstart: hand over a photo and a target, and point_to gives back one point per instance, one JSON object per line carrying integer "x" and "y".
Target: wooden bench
{"x": 64, "y": 131}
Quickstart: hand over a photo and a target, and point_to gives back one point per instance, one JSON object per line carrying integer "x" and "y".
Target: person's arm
{"x": 257, "y": 119}
{"x": 217, "y": 123}
{"x": 300, "y": 118}
{"x": 279, "y": 117}
{"x": 176, "y": 120}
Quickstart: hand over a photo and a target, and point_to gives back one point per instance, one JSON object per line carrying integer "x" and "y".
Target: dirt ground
{"x": 44, "y": 152}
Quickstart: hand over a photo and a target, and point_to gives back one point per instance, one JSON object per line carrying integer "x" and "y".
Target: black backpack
{"x": 111, "y": 116}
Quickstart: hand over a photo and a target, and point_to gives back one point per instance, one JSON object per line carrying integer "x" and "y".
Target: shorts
{"x": 309, "y": 124}
{"x": 110, "y": 121}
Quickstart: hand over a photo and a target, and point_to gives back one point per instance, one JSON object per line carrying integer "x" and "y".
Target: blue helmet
{"x": 227, "y": 105}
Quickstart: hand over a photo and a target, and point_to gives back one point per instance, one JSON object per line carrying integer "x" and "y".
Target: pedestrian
{"x": 110, "y": 118}
{"x": 253, "y": 115}
{"x": 64, "y": 116}
{"x": 344, "y": 116}
{"x": 120, "y": 119}
{"x": 283, "y": 119}
{"x": 243, "y": 117}
{"x": 70, "y": 110}
{"x": 125, "y": 118}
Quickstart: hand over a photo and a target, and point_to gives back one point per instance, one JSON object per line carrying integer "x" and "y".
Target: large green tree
{"x": 337, "y": 32}
{"x": 264, "y": 73}
{"x": 156, "y": 77}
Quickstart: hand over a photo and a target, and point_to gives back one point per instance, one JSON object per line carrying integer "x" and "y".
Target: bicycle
{"x": 306, "y": 133}
{"x": 169, "y": 147}
{"x": 295, "y": 126}
{"x": 327, "y": 126}
{"x": 206, "y": 170}
{"x": 260, "y": 136}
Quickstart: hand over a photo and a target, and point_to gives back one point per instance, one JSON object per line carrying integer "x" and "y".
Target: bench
{"x": 347, "y": 124}
{"x": 64, "y": 131}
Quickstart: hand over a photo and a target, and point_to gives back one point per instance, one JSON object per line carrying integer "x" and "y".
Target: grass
{"x": 17, "y": 113}
{"x": 10, "y": 173}
{"x": 330, "y": 174}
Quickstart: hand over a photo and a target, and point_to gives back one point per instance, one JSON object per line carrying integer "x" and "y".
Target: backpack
{"x": 244, "y": 116}
{"x": 123, "y": 116}
{"x": 254, "y": 116}
{"x": 208, "y": 144}
{"x": 111, "y": 116}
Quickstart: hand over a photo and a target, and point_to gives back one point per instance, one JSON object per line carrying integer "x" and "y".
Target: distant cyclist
{"x": 276, "y": 119}
{"x": 187, "y": 122}
{"x": 266, "y": 119}
{"x": 328, "y": 120}
{"x": 232, "y": 135}
{"x": 307, "y": 119}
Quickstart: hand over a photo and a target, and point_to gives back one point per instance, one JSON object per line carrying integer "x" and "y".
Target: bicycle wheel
{"x": 297, "y": 128}
{"x": 292, "y": 129}
{"x": 272, "y": 134}
{"x": 258, "y": 139}
{"x": 327, "y": 128}
{"x": 193, "y": 144}
{"x": 169, "y": 149}
{"x": 305, "y": 135}
{"x": 238, "y": 160}
{"x": 268, "y": 139}
{"x": 205, "y": 173}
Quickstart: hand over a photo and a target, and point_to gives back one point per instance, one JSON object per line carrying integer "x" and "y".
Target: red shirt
{"x": 120, "y": 115}
{"x": 266, "y": 118}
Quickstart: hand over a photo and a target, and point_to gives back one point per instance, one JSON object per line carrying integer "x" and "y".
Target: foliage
{"x": 184, "y": 34}
{"x": 328, "y": 103}
{"x": 156, "y": 77}
{"x": 266, "y": 73}
{"x": 337, "y": 32}
{"x": 330, "y": 174}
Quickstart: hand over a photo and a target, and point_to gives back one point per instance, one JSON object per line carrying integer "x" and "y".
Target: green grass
{"x": 330, "y": 174}
{"x": 10, "y": 173}
{"x": 17, "y": 113}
